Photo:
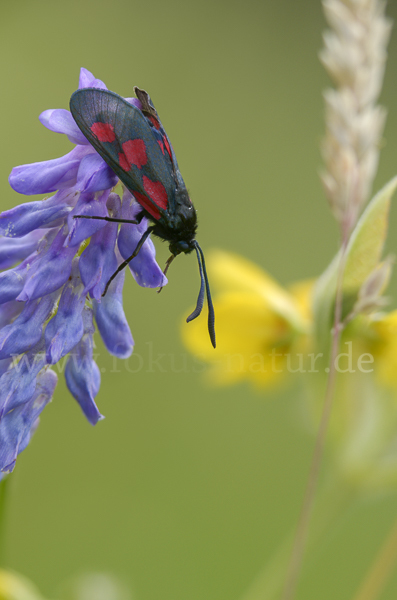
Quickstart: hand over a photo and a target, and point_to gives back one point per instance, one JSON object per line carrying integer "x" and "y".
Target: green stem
{"x": 381, "y": 569}
{"x": 299, "y": 543}
{"x": 4, "y": 484}
{"x": 332, "y": 502}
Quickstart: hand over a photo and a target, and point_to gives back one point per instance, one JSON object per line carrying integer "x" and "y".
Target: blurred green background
{"x": 183, "y": 491}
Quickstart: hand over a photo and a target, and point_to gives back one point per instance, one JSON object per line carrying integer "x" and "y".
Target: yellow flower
{"x": 383, "y": 346}
{"x": 259, "y": 325}
{"x": 16, "y": 587}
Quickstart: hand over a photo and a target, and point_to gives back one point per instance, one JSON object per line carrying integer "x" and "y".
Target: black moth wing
{"x": 91, "y": 105}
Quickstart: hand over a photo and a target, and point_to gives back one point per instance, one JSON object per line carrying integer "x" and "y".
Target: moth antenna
{"x": 200, "y": 299}
{"x": 167, "y": 266}
{"x": 211, "y": 312}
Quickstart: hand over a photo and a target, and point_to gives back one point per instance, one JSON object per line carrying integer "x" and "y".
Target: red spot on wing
{"x": 124, "y": 164}
{"x": 156, "y": 191}
{"x": 161, "y": 145}
{"x": 154, "y": 121}
{"x": 167, "y": 145}
{"x": 135, "y": 152}
{"x": 103, "y": 131}
{"x": 147, "y": 205}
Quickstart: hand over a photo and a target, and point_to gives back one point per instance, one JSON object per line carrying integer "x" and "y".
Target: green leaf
{"x": 363, "y": 253}
{"x": 323, "y": 304}
{"x": 366, "y": 243}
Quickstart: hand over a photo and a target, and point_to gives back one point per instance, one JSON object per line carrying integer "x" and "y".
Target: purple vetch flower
{"x": 82, "y": 374}
{"x": 144, "y": 268}
{"x": 66, "y": 328}
{"x": 111, "y": 321}
{"x": 12, "y": 250}
{"x": 17, "y": 426}
{"x": 26, "y": 330}
{"x": 55, "y": 269}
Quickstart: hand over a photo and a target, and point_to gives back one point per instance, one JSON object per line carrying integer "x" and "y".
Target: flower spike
{"x": 43, "y": 311}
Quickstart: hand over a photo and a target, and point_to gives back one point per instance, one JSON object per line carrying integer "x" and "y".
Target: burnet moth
{"x": 132, "y": 141}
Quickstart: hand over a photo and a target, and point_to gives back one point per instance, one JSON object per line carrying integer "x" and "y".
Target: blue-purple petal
{"x": 135, "y": 102}
{"x": 17, "y": 385}
{"x": 8, "y": 312}
{"x": 12, "y": 282}
{"x": 49, "y": 175}
{"x": 111, "y": 320}
{"x": 88, "y": 204}
{"x": 4, "y": 364}
{"x": 50, "y": 270}
{"x": 26, "y": 331}
{"x": 66, "y": 328}
{"x": 60, "y": 120}
{"x": 98, "y": 262}
{"x": 143, "y": 267}
{"x": 17, "y": 426}
{"x": 82, "y": 375}
{"x": 87, "y": 79}
{"x": 94, "y": 175}
{"x": 12, "y": 250}
{"x": 24, "y": 218}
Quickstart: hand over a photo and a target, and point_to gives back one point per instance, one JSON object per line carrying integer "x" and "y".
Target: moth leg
{"x": 133, "y": 255}
{"x": 132, "y": 221}
{"x": 139, "y": 217}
